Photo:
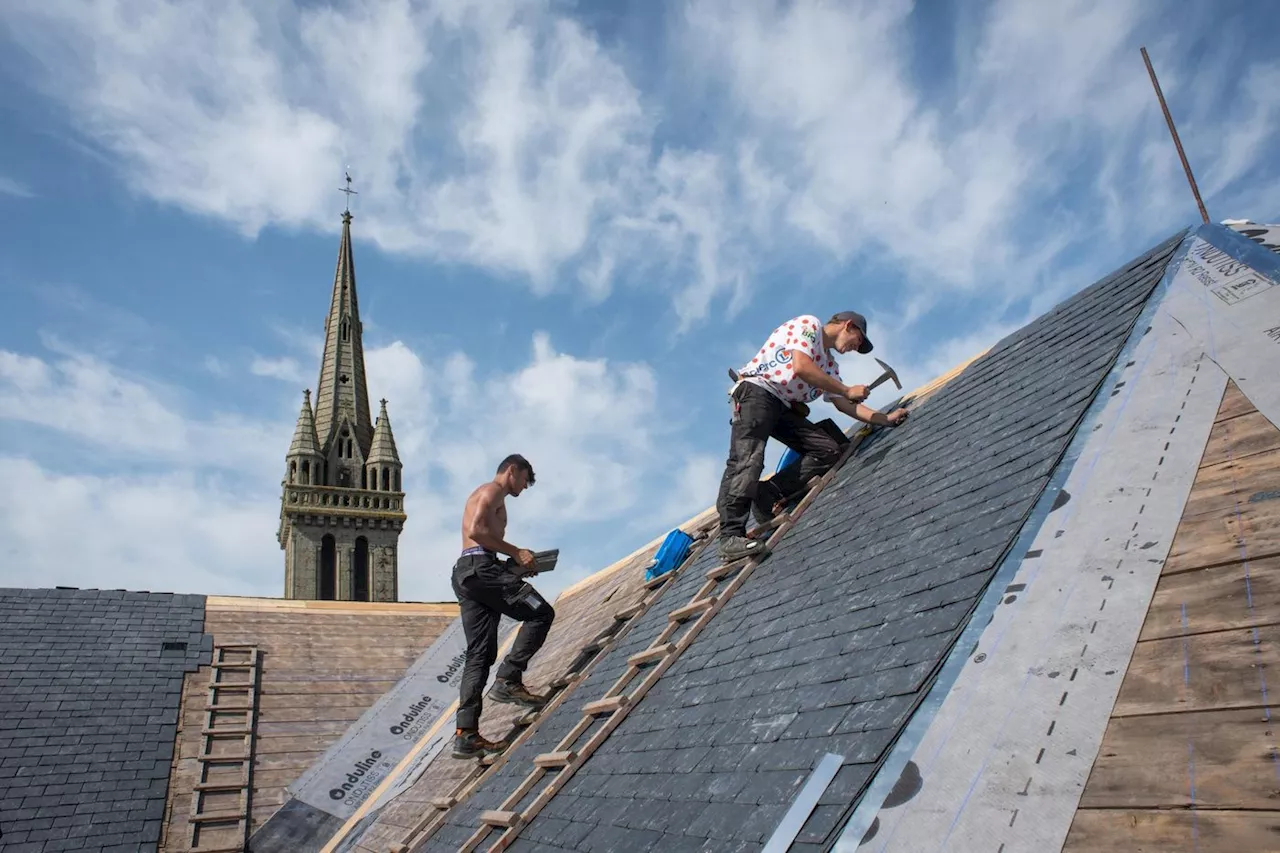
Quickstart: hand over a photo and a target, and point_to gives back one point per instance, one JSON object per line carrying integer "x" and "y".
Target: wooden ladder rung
{"x": 229, "y": 709}
{"x": 555, "y": 759}
{"x": 691, "y": 609}
{"x": 234, "y": 665}
{"x": 217, "y": 817}
{"x": 220, "y": 786}
{"x": 529, "y": 717}
{"x": 629, "y": 612}
{"x": 604, "y": 706}
{"x": 659, "y": 580}
{"x": 226, "y": 732}
{"x": 246, "y": 686}
{"x": 565, "y": 680}
{"x": 209, "y": 758}
{"x": 652, "y": 655}
{"x": 724, "y": 570}
{"x": 495, "y": 817}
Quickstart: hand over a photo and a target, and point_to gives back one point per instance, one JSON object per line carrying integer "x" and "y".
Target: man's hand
{"x": 525, "y": 558}
{"x": 856, "y": 393}
{"x": 897, "y": 417}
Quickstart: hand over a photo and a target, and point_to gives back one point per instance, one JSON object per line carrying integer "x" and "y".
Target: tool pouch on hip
{"x": 523, "y": 593}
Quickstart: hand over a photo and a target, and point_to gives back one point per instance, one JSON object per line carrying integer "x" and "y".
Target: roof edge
{"x": 267, "y": 605}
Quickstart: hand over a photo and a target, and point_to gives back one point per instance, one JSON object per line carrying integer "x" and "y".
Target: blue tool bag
{"x": 670, "y": 554}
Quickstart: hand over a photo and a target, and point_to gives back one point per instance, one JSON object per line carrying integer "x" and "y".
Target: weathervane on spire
{"x": 347, "y": 189}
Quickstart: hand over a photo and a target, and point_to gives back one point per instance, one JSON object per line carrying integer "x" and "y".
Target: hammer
{"x": 889, "y": 373}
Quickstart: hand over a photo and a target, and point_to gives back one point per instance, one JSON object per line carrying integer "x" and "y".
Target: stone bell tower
{"x": 342, "y": 507}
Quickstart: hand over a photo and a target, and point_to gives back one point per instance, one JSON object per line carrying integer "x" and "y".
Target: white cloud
{"x": 130, "y": 418}
{"x": 285, "y": 369}
{"x": 507, "y": 136}
{"x": 10, "y": 187}
{"x": 495, "y": 134}
{"x": 169, "y": 532}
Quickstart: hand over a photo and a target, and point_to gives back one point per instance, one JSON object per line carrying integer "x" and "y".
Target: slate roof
{"x": 832, "y": 642}
{"x": 89, "y": 698}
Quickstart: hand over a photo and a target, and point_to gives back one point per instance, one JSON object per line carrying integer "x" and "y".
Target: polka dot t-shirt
{"x": 772, "y": 368}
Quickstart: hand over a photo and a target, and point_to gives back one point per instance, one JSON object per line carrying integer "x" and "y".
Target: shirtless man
{"x": 487, "y": 590}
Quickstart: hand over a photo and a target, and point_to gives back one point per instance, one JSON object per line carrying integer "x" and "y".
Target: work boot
{"x": 469, "y": 744}
{"x": 736, "y": 547}
{"x": 515, "y": 693}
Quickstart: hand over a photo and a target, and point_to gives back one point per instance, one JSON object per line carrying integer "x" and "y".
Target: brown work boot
{"x": 469, "y": 744}
{"x": 515, "y": 693}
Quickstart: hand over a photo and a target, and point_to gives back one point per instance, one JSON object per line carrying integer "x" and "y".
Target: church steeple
{"x": 342, "y": 506}
{"x": 342, "y": 393}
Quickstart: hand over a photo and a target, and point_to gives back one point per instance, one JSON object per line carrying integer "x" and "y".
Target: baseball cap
{"x": 860, "y": 322}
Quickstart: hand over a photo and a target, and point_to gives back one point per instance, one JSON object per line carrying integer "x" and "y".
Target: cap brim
{"x": 866, "y": 346}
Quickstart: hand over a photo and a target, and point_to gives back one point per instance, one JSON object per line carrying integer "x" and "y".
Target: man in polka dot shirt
{"x": 795, "y": 366}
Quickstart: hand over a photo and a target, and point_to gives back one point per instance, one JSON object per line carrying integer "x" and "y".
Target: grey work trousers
{"x": 487, "y": 590}
{"x": 758, "y": 416}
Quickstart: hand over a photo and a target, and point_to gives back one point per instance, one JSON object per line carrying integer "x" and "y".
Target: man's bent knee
{"x": 827, "y": 455}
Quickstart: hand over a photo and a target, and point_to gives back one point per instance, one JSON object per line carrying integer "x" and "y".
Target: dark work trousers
{"x": 487, "y": 590}
{"x": 757, "y": 417}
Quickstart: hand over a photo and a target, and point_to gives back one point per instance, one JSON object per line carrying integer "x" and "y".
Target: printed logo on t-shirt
{"x": 772, "y": 367}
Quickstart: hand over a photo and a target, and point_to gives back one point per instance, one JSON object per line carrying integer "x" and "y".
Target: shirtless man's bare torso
{"x": 484, "y": 520}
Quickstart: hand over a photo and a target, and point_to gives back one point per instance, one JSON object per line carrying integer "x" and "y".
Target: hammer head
{"x": 890, "y": 373}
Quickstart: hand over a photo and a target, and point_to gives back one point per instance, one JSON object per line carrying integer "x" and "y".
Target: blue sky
{"x": 572, "y": 218}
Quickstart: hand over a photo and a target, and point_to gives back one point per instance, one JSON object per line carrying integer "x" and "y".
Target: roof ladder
{"x": 220, "y": 800}
{"x": 644, "y": 669}
{"x": 592, "y": 652}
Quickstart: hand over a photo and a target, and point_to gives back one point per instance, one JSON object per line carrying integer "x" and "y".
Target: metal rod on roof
{"x": 1195, "y": 191}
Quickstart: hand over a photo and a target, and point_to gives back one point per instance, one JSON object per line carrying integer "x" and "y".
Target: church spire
{"x": 304, "y": 434}
{"x": 342, "y": 392}
{"x": 384, "y": 443}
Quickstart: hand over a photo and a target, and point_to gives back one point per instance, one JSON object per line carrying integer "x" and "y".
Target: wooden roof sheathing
{"x": 1189, "y": 759}
{"x": 323, "y": 664}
